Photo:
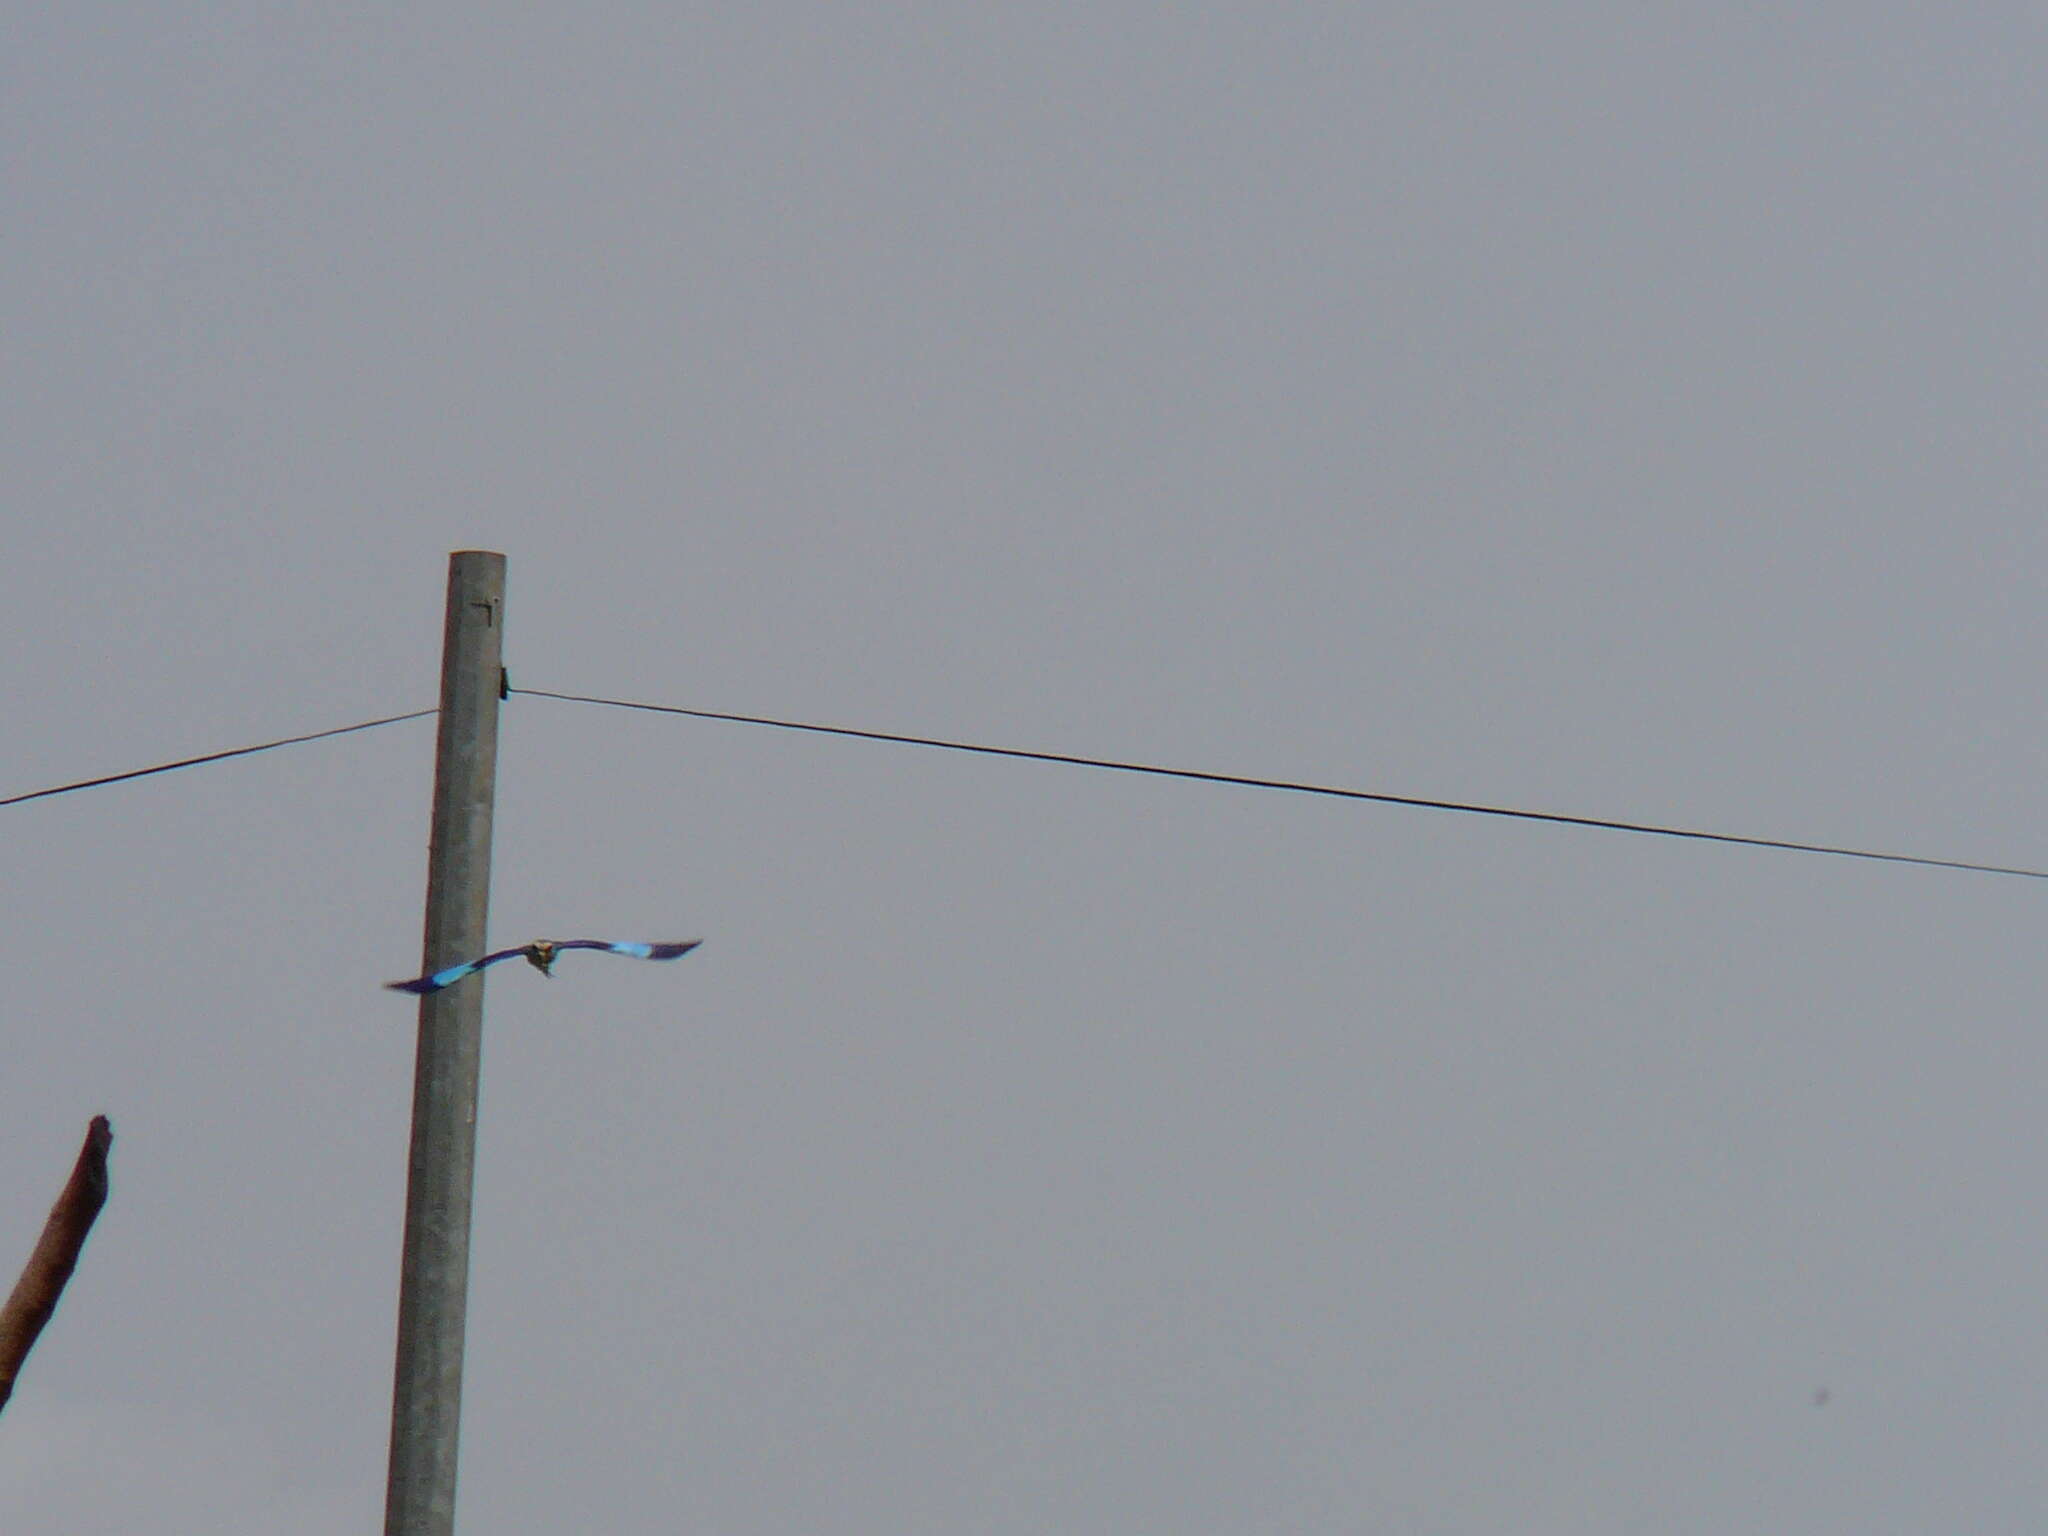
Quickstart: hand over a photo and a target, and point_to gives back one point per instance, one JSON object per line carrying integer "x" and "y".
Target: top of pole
{"x": 466, "y": 757}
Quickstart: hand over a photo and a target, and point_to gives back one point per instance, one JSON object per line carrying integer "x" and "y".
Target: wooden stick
{"x": 71, "y": 1218}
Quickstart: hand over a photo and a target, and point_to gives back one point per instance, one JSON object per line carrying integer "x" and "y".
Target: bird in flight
{"x": 540, "y": 954}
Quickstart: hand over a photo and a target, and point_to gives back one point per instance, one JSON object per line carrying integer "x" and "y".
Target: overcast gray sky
{"x": 1620, "y": 410}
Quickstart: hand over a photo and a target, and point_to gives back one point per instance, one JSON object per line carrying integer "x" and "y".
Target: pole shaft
{"x": 426, "y": 1404}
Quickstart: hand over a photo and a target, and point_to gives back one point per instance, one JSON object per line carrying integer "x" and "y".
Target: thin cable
{"x": 214, "y": 757}
{"x": 1554, "y": 817}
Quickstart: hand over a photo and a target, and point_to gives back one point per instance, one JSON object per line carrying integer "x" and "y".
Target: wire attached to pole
{"x": 1555, "y": 818}
{"x": 213, "y": 757}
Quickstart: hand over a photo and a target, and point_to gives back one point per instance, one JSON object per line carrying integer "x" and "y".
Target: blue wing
{"x": 439, "y": 979}
{"x": 637, "y": 951}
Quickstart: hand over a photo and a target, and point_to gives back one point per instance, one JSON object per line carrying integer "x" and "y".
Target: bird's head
{"x": 540, "y": 954}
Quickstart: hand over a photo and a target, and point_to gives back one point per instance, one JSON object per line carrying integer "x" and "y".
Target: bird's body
{"x": 541, "y": 955}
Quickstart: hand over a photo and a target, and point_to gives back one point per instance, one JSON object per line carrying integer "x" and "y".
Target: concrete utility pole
{"x": 426, "y": 1404}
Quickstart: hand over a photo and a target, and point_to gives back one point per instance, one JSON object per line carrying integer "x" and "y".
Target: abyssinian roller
{"x": 540, "y": 954}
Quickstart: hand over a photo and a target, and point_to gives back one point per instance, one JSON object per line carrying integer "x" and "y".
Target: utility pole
{"x": 426, "y": 1402}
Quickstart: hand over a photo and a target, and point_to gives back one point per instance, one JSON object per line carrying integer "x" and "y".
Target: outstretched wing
{"x": 454, "y": 973}
{"x": 637, "y": 951}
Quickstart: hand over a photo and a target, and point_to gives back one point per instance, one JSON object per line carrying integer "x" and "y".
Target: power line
{"x": 1156, "y": 770}
{"x": 1378, "y": 797}
{"x": 213, "y": 757}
